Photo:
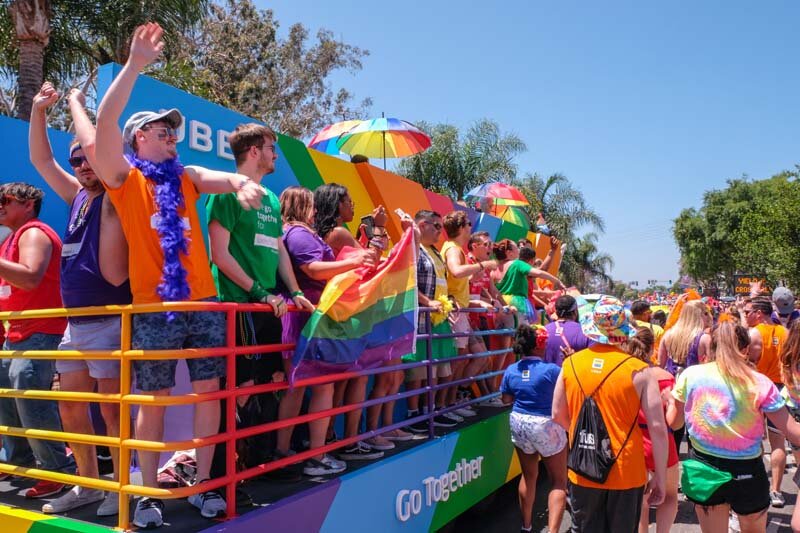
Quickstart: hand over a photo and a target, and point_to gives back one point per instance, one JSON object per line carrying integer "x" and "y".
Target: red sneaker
{"x": 43, "y": 489}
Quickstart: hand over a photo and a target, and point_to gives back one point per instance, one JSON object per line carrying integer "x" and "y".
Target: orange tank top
{"x": 772, "y": 337}
{"x": 619, "y": 403}
{"x": 136, "y": 205}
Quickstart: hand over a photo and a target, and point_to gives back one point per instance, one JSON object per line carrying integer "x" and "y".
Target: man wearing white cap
{"x": 618, "y": 384}
{"x": 156, "y": 197}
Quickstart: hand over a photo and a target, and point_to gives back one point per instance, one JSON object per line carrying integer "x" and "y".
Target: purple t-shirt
{"x": 303, "y": 247}
{"x": 572, "y": 332}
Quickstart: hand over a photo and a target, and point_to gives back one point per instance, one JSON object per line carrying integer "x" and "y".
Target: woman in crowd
{"x": 724, "y": 402}
{"x": 790, "y": 373}
{"x": 333, "y": 209}
{"x": 529, "y": 384}
{"x": 685, "y": 344}
{"x": 314, "y": 263}
{"x": 641, "y": 347}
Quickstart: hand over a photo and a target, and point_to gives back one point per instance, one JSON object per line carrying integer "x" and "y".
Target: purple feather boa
{"x": 169, "y": 198}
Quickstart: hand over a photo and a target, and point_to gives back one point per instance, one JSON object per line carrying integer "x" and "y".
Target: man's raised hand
{"x": 146, "y": 45}
{"x": 46, "y": 96}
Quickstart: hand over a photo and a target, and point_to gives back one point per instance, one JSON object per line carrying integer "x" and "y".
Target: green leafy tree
{"x": 236, "y": 59}
{"x": 65, "y": 41}
{"x": 456, "y": 163}
{"x": 750, "y": 226}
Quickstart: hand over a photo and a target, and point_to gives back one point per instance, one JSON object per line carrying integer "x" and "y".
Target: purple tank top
{"x": 82, "y": 284}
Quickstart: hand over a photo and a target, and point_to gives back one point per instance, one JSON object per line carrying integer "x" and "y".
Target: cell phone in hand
{"x": 369, "y": 224}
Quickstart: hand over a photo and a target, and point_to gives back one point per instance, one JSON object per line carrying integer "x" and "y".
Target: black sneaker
{"x": 441, "y": 421}
{"x": 359, "y": 452}
{"x": 418, "y": 427}
{"x": 288, "y": 474}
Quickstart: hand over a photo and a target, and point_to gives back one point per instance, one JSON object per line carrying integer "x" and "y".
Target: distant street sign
{"x": 741, "y": 283}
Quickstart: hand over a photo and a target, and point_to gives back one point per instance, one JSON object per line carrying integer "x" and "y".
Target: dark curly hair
{"x": 529, "y": 340}
{"x": 326, "y": 205}
{"x": 501, "y": 248}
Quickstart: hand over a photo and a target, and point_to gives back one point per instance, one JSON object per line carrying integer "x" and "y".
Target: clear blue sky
{"x": 642, "y": 105}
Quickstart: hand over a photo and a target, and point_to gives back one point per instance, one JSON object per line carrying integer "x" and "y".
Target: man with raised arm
{"x": 155, "y": 197}
{"x": 94, "y": 271}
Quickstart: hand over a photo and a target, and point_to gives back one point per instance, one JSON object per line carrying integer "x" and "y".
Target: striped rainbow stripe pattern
{"x": 363, "y": 318}
{"x": 13, "y": 520}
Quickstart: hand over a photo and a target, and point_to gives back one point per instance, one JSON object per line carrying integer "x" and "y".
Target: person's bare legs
{"x": 666, "y": 512}
{"x": 380, "y": 389}
{"x": 556, "y": 466}
{"x": 753, "y": 523}
{"x": 498, "y": 362}
{"x": 150, "y": 426}
{"x": 110, "y": 414}
{"x": 355, "y": 393}
{"x": 321, "y": 400}
{"x": 75, "y": 419}
{"x": 527, "y": 485}
{"x": 206, "y": 423}
{"x": 458, "y": 368}
{"x": 777, "y": 458}
{"x": 714, "y": 519}
{"x": 412, "y": 402}
{"x": 289, "y": 407}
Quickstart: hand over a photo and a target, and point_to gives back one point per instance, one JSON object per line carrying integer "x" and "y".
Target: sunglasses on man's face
{"x": 76, "y": 161}
{"x": 164, "y": 133}
{"x": 7, "y": 199}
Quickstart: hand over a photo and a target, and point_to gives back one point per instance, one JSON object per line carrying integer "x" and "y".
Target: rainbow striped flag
{"x": 363, "y": 317}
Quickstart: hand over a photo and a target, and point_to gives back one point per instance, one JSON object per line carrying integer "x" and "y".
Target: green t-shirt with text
{"x": 253, "y": 242}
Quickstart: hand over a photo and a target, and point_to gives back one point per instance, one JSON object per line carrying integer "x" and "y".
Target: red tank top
{"x": 46, "y": 295}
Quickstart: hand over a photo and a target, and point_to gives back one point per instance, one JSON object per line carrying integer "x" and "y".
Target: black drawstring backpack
{"x": 590, "y": 453}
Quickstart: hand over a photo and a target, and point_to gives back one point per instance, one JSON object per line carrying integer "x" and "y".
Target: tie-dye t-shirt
{"x": 725, "y": 418}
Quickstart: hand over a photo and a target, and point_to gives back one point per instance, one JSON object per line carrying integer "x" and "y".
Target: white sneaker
{"x": 149, "y": 513}
{"x": 494, "y": 402}
{"x": 74, "y": 498}
{"x": 323, "y": 467}
{"x": 465, "y": 412}
{"x": 454, "y": 417}
{"x": 110, "y": 506}
{"x": 210, "y": 503}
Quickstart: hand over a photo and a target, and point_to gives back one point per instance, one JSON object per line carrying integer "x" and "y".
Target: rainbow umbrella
{"x": 384, "y": 137}
{"x": 498, "y": 193}
{"x": 325, "y": 140}
{"x": 515, "y": 215}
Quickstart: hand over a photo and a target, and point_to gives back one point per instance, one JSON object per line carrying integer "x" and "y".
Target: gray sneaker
{"x": 324, "y": 467}
{"x": 210, "y": 503}
{"x": 148, "y": 513}
{"x": 110, "y": 506}
{"x": 72, "y": 499}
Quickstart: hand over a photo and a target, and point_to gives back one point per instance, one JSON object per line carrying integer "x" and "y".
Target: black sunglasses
{"x": 76, "y": 161}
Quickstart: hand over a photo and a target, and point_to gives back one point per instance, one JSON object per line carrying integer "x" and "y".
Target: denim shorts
{"x": 102, "y": 334}
{"x": 190, "y": 329}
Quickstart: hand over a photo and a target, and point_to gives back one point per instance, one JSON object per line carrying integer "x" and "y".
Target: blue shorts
{"x": 195, "y": 329}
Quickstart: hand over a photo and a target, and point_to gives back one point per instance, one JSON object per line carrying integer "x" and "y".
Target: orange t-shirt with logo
{"x": 772, "y": 338}
{"x": 137, "y": 209}
{"x": 619, "y": 403}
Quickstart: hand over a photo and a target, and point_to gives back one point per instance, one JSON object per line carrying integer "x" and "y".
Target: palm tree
{"x": 562, "y": 205}
{"x": 583, "y": 265}
{"x": 454, "y": 164}
{"x": 31, "y": 19}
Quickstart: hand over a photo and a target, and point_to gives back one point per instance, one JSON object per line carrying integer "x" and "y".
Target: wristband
{"x": 242, "y": 184}
{"x": 297, "y": 293}
{"x": 257, "y": 292}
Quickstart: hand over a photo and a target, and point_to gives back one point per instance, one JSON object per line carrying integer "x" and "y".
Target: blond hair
{"x": 726, "y": 346}
{"x": 679, "y": 338}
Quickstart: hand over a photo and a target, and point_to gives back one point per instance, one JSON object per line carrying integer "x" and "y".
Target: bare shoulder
{"x": 34, "y": 237}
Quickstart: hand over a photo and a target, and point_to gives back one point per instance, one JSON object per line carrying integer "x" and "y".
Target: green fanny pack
{"x": 700, "y": 480}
